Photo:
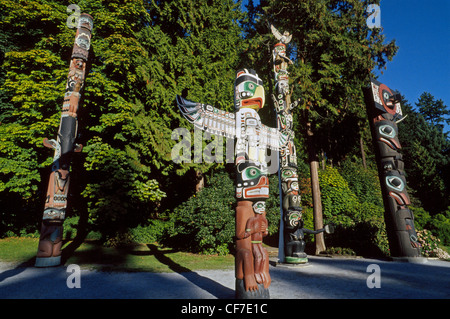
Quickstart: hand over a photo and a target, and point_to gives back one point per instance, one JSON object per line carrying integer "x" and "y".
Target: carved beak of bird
{"x": 257, "y": 101}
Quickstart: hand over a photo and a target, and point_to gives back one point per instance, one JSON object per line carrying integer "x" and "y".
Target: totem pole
{"x": 291, "y": 244}
{"x": 252, "y": 183}
{"x": 384, "y": 110}
{"x": 49, "y": 249}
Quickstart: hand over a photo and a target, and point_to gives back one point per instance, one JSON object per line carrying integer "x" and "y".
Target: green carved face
{"x": 287, "y": 174}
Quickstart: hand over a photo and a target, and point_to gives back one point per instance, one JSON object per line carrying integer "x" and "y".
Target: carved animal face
{"x": 251, "y": 182}
{"x": 248, "y": 90}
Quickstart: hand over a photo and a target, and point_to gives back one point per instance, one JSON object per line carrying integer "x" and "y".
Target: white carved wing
{"x": 283, "y": 38}
{"x": 270, "y": 137}
{"x": 276, "y": 33}
{"x": 208, "y": 118}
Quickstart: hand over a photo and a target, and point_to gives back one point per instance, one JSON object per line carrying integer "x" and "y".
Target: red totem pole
{"x": 384, "y": 110}
{"x": 49, "y": 249}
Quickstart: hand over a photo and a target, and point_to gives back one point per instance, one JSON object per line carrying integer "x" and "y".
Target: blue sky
{"x": 422, "y": 33}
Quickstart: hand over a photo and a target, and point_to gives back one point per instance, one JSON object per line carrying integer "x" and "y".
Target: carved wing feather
{"x": 208, "y": 118}
{"x": 270, "y": 137}
{"x": 276, "y": 33}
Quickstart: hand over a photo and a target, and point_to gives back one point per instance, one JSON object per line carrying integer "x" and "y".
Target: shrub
{"x": 339, "y": 203}
{"x": 340, "y": 251}
{"x": 440, "y": 225}
{"x": 364, "y": 183}
{"x": 205, "y": 222}
{"x": 359, "y": 223}
{"x": 150, "y": 233}
{"x": 421, "y": 217}
{"x": 430, "y": 245}
{"x": 70, "y": 227}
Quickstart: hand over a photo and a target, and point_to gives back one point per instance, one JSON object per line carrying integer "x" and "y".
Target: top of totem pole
{"x": 284, "y": 38}
{"x": 248, "y": 90}
{"x": 385, "y": 99}
{"x": 83, "y": 37}
{"x": 85, "y": 21}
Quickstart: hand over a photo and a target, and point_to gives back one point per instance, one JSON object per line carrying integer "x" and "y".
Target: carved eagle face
{"x": 248, "y": 90}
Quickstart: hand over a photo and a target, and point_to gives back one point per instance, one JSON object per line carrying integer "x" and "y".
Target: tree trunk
{"x": 200, "y": 181}
{"x": 363, "y": 154}
{"x": 315, "y": 189}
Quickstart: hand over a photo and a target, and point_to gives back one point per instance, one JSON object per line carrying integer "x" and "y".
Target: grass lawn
{"x": 139, "y": 257}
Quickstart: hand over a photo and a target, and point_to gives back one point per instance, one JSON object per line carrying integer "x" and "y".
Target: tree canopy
{"x": 143, "y": 54}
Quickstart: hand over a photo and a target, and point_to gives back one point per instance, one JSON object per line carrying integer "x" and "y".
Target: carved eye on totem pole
{"x": 249, "y": 90}
{"x": 395, "y": 183}
{"x": 251, "y": 181}
{"x": 387, "y": 131}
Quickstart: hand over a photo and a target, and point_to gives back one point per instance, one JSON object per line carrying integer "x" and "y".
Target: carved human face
{"x": 248, "y": 90}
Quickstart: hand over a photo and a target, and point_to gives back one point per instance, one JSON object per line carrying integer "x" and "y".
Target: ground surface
{"x": 321, "y": 278}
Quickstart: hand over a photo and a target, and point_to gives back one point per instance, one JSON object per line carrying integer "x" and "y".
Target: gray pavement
{"x": 321, "y": 278}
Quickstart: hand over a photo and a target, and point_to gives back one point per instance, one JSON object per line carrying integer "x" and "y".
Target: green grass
{"x": 138, "y": 257}
{"x": 18, "y": 249}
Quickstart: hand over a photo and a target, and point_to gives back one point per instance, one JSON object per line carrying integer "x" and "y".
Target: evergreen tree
{"x": 434, "y": 111}
{"x": 426, "y": 152}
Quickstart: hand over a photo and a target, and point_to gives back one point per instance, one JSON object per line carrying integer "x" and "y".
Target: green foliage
{"x": 205, "y": 222}
{"x": 112, "y": 207}
{"x": 334, "y": 53}
{"x": 427, "y": 159}
{"x": 434, "y": 111}
{"x": 421, "y": 216}
{"x": 339, "y": 203}
{"x": 440, "y": 225}
{"x": 359, "y": 222}
{"x": 363, "y": 182}
{"x": 150, "y": 232}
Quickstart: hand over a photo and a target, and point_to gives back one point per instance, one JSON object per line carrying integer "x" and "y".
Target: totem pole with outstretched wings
{"x": 252, "y": 184}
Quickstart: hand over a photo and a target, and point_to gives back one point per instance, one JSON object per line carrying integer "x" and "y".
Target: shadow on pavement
{"x": 207, "y": 284}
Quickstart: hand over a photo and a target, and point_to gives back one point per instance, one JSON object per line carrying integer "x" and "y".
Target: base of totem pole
{"x": 414, "y": 260}
{"x": 241, "y": 293}
{"x": 47, "y": 261}
{"x": 295, "y": 260}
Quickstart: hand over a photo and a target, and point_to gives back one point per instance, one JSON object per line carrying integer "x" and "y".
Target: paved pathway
{"x": 321, "y": 278}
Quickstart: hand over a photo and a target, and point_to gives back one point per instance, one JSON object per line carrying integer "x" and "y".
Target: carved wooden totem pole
{"x": 291, "y": 238}
{"x": 49, "y": 249}
{"x": 291, "y": 244}
{"x": 384, "y": 109}
{"x": 252, "y": 183}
